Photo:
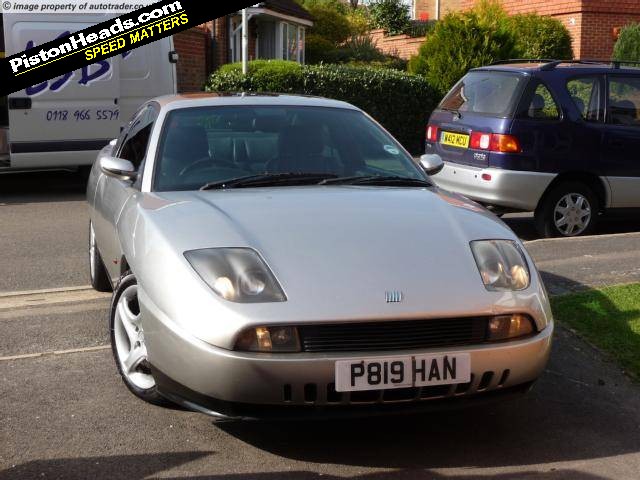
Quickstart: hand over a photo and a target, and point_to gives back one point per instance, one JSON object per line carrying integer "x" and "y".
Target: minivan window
{"x": 485, "y": 92}
{"x": 624, "y": 101}
{"x": 4, "y": 109}
{"x": 542, "y": 105}
{"x": 585, "y": 93}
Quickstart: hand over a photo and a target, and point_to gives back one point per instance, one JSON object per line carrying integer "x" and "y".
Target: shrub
{"x": 628, "y": 45}
{"x": 360, "y": 49}
{"x": 391, "y": 15}
{"x": 537, "y": 36}
{"x": 329, "y": 23}
{"x": 318, "y": 49}
{"x": 459, "y": 42}
{"x": 399, "y": 101}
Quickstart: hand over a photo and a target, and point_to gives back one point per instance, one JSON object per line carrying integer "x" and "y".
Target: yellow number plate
{"x": 455, "y": 140}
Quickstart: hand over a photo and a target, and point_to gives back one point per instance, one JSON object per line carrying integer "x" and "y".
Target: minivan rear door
{"x": 483, "y": 101}
{"x": 61, "y": 121}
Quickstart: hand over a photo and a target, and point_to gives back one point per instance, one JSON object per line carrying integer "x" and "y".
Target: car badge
{"x": 394, "y": 297}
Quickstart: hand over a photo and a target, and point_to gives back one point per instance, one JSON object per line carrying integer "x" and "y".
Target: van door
{"x": 67, "y": 120}
{"x": 145, "y": 73}
{"x": 622, "y": 140}
{"x": 4, "y": 113}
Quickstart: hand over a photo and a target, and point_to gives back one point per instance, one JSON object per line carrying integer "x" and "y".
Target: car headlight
{"x": 236, "y": 274}
{"x": 502, "y": 265}
{"x": 269, "y": 339}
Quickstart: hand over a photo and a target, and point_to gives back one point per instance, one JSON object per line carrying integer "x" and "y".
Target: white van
{"x": 65, "y": 121}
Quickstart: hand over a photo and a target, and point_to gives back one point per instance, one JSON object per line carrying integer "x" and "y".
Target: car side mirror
{"x": 118, "y": 168}
{"x": 431, "y": 164}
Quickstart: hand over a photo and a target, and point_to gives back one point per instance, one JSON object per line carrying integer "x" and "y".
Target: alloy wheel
{"x": 129, "y": 340}
{"x": 572, "y": 214}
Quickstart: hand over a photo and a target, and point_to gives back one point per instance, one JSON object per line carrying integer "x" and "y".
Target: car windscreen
{"x": 4, "y": 110}
{"x": 485, "y": 92}
{"x": 201, "y": 145}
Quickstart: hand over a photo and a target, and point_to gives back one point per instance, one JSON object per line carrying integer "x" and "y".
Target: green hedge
{"x": 399, "y": 101}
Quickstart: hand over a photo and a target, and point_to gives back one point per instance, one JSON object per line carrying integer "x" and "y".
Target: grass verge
{"x": 608, "y": 318}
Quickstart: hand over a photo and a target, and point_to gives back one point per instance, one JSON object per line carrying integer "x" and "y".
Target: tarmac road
{"x": 65, "y": 414}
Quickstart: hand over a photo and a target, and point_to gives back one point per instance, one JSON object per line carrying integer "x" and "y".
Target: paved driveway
{"x": 67, "y": 415}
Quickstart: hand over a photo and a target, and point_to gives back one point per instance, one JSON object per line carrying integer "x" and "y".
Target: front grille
{"x": 397, "y": 335}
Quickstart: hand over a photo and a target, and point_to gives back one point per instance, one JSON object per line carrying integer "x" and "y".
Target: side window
{"x": 624, "y": 101}
{"x": 586, "y": 95}
{"x": 542, "y": 105}
{"x": 134, "y": 146}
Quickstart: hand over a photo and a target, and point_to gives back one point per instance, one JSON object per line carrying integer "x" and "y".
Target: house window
{"x": 292, "y": 41}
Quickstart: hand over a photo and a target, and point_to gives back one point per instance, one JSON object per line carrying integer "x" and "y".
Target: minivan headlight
{"x": 502, "y": 265}
{"x": 236, "y": 274}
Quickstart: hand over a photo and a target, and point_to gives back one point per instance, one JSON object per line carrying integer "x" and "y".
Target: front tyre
{"x": 570, "y": 209}
{"x": 128, "y": 342}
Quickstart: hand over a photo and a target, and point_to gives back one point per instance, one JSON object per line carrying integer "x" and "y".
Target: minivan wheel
{"x": 569, "y": 210}
{"x": 97, "y": 271}
{"x": 128, "y": 342}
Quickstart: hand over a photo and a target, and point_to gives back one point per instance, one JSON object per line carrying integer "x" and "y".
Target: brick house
{"x": 277, "y": 30}
{"x": 593, "y": 24}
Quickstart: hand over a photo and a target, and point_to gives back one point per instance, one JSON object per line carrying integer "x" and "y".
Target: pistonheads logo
{"x": 394, "y": 296}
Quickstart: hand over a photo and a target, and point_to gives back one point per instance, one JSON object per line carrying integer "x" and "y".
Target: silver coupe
{"x": 283, "y": 256}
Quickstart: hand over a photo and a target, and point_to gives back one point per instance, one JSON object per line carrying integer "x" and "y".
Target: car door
{"x": 114, "y": 193}
{"x": 621, "y": 152}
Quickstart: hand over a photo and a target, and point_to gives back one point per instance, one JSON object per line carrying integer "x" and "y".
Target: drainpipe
{"x": 437, "y": 9}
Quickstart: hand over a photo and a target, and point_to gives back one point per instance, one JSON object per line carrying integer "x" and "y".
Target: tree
{"x": 628, "y": 45}
{"x": 459, "y": 42}
{"x": 390, "y": 15}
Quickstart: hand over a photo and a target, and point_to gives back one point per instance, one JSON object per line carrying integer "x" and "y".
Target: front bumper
{"x": 513, "y": 189}
{"x": 206, "y": 378}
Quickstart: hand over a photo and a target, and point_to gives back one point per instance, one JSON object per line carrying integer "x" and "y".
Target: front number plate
{"x": 455, "y": 140}
{"x": 402, "y": 372}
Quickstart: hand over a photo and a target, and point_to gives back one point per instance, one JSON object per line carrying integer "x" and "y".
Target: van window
{"x": 485, "y": 92}
{"x": 542, "y": 105}
{"x": 4, "y": 109}
{"x": 624, "y": 101}
{"x": 585, "y": 93}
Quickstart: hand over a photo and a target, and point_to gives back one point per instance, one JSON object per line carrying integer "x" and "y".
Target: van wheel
{"x": 128, "y": 342}
{"x": 570, "y": 209}
{"x": 97, "y": 272}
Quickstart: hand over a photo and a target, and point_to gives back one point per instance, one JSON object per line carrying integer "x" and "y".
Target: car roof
{"x": 172, "y": 102}
{"x": 562, "y": 67}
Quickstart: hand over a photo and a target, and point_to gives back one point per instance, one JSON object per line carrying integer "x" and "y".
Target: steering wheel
{"x": 203, "y": 164}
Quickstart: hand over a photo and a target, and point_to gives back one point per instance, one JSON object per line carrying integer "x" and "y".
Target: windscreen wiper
{"x": 393, "y": 181}
{"x": 270, "y": 179}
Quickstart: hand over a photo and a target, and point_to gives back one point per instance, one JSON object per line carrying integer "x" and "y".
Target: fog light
{"x": 507, "y": 327}
{"x": 269, "y": 339}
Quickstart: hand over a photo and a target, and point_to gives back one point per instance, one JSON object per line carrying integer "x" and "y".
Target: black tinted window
{"x": 586, "y": 95}
{"x": 485, "y": 92}
{"x": 624, "y": 100}
{"x": 542, "y": 105}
